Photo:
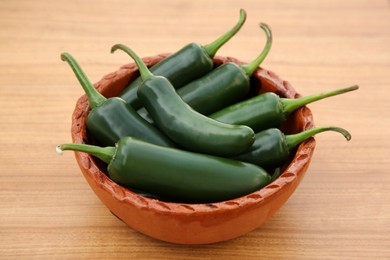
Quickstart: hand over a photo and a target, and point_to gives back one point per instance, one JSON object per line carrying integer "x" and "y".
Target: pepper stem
{"x": 105, "y": 154}
{"x": 94, "y": 97}
{"x": 251, "y": 67}
{"x": 295, "y": 139}
{"x": 143, "y": 69}
{"x": 213, "y": 47}
{"x": 290, "y": 105}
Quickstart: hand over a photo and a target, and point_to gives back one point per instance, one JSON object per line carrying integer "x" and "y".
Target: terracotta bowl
{"x": 194, "y": 223}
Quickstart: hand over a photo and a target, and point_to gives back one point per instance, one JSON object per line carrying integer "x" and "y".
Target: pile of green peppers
{"x": 188, "y": 131}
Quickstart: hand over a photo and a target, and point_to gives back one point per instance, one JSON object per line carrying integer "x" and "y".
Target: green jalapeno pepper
{"x": 221, "y": 87}
{"x": 272, "y": 148}
{"x": 268, "y": 109}
{"x": 224, "y": 85}
{"x": 187, "y": 64}
{"x": 181, "y": 123}
{"x": 176, "y": 174}
{"x": 112, "y": 118}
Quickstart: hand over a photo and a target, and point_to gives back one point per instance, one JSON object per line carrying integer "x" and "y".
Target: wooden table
{"x": 340, "y": 210}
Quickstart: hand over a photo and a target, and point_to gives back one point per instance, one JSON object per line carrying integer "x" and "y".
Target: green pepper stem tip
{"x": 212, "y": 48}
{"x": 143, "y": 69}
{"x": 64, "y": 56}
{"x": 292, "y": 104}
{"x": 105, "y": 154}
{"x": 295, "y": 139}
{"x": 95, "y": 98}
{"x": 252, "y": 66}
{"x": 59, "y": 150}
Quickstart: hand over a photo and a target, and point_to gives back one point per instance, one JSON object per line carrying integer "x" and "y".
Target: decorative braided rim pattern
{"x": 113, "y": 83}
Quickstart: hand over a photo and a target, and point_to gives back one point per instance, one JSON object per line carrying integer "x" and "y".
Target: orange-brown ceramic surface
{"x": 194, "y": 223}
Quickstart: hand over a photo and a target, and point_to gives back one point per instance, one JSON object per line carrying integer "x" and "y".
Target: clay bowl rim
{"x": 128, "y": 72}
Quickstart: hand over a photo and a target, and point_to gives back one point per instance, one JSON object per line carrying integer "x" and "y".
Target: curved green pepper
{"x": 112, "y": 118}
{"x": 272, "y": 148}
{"x": 181, "y": 123}
{"x": 268, "y": 109}
{"x": 185, "y": 65}
{"x": 176, "y": 174}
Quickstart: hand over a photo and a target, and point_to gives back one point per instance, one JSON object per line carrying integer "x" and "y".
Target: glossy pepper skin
{"x": 224, "y": 85}
{"x": 272, "y": 148}
{"x": 181, "y": 123}
{"x": 110, "y": 119}
{"x": 268, "y": 109}
{"x": 176, "y": 174}
{"x": 187, "y": 64}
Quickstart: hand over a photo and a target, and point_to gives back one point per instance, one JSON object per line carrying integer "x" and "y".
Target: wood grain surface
{"x": 340, "y": 210}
